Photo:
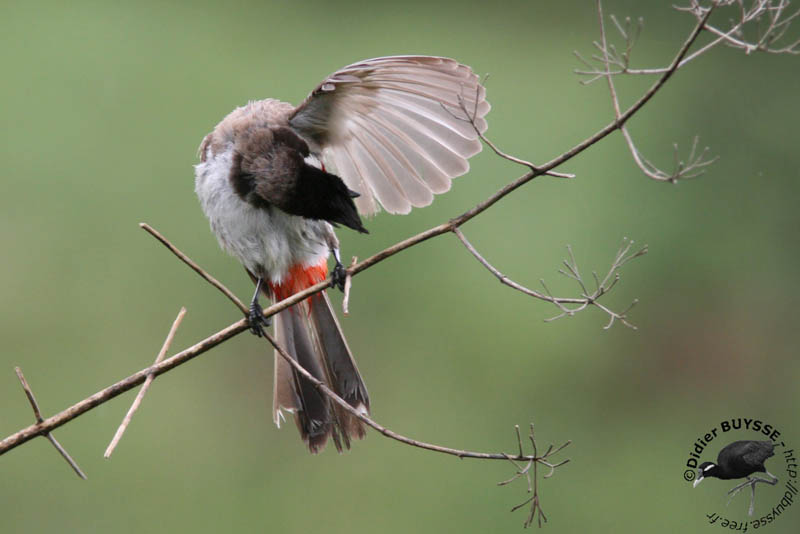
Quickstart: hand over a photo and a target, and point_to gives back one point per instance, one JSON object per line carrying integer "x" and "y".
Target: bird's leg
{"x": 737, "y": 489}
{"x": 752, "y": 481}
{"x": 256, "y": 315}
{"x": 339, "y": 274}
{"x": 773, "y": 480}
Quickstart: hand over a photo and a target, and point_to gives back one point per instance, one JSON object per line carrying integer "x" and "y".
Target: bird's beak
{"x": 697, "y": 481}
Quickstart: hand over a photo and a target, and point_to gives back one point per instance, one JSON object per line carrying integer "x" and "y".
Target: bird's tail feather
{"x": 310, "y": 333}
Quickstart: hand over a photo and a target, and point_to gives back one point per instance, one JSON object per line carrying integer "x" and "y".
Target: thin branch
{"x": 471, "y": 118}
{"x": 203, "y": 274}
{"x": 767, "y": 34}
{"x": 509, "y": 282}
{"x": 120, "y": 387}
{"x": 777, "y": 28}
{"x": 328, "y": 392}
{"x": 695, "y": 167}
{"x": 138, "y": 400}
{"x": 29, "y": 393}
{"x": 39, "y": 420}
{"x": 588, "y": 298}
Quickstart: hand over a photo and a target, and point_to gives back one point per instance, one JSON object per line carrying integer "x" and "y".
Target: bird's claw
{"x": 257, "y": 319}
{"x": 339, "y": 276}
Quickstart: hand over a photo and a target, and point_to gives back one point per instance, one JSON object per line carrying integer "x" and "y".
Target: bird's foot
{"x": 257, "y": 319}
{"x": 339, "y": 275}
{"x": 733, "y": 491}
{"x": 751, "y": 482}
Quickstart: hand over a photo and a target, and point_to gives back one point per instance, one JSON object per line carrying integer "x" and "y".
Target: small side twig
{"x": 138, "y": 400}
{"x": 588, "y": 298}
{"x": 348, "y": 283}
{"x": 196, "y": 268}
{"x": 39, "y": 419}
{"x": 471, "y": 117}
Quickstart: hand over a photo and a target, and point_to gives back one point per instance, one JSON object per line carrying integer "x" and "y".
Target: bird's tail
{"x": 310, "y": 333}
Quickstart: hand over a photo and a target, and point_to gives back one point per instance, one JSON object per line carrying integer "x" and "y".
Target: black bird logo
{"x": 740, "y": 459}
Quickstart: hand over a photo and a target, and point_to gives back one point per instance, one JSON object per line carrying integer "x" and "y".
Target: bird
{"x": 275, "y": 179}
{"x": 740, "y": 459}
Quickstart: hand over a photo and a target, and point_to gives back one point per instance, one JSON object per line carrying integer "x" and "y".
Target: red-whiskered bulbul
{"x": 274, "y": 179}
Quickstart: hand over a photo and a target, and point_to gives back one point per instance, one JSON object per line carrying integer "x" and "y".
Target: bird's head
{"x": 704, "y": 470}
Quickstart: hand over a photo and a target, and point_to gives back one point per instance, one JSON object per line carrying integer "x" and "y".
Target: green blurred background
{"x": 103, "y": 107}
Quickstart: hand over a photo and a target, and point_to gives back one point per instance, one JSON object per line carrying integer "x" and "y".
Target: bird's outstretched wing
{"x": 395, "y": 128}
